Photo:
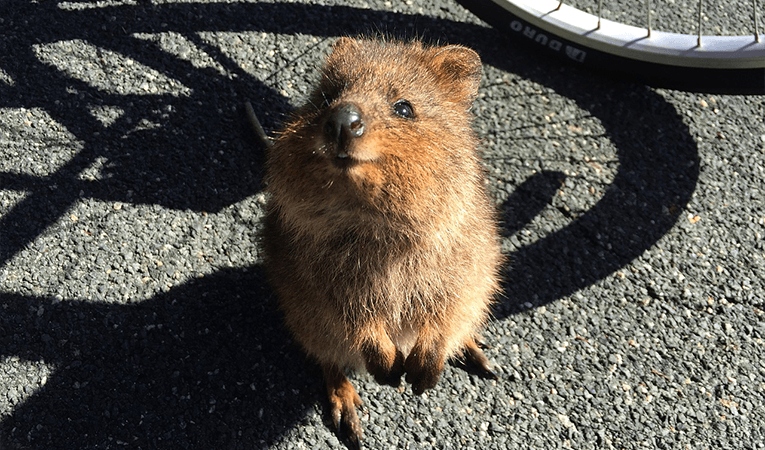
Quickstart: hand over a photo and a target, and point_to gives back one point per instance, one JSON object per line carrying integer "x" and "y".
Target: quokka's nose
{"x": 343, "y": 125}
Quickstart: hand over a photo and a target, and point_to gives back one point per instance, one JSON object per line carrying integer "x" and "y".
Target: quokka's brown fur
{"x": 380, "y": 239}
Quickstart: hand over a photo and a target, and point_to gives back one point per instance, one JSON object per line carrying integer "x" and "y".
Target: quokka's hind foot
{"x": 384, "y": 362}
{"x": 391, "y": 377}
{"x": 475, "y": 357}
{"x": 343, "y": 401}
{"x": 423, "y": 368}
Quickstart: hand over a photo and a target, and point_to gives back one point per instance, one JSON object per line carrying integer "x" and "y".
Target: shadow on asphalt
{"x": 204, "y": 362}
{"x": 658, "y": 171}
{"x": 197, "y": 367}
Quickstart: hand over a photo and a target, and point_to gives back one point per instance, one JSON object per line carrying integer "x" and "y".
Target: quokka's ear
{"x": 459, "y": 68}
{"x": 344, "y": 43}
{"x": 342, "y": 52}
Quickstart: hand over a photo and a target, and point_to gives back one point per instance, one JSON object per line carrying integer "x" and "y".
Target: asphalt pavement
{"x": 133, "y": 308}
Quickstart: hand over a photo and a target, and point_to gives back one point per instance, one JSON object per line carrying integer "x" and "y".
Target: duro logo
{"x": 542, "y": 39}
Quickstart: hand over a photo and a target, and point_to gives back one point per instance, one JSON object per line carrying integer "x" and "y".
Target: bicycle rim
{"x": 719, "y": 64}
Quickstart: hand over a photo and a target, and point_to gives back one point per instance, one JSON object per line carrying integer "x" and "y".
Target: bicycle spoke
{"x": 701, "y": 8}
{"x": 648, "y": 15}
{"x": 600, "y": 13}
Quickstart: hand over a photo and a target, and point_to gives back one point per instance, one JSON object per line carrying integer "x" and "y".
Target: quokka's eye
{"x": 404, "y": 109}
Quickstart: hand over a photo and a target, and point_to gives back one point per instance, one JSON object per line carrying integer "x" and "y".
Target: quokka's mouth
{"x": 345, "y": 161}
{"x": 350, "y": 156}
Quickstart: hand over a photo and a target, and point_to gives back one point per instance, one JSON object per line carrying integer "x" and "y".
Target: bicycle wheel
{"x": 714, "y": 64}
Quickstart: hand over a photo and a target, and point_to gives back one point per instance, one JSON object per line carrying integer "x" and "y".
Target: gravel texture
{"x": 133, "y": 311}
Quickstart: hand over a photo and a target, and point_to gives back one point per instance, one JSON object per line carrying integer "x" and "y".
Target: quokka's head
{"x": 386, "y": 127}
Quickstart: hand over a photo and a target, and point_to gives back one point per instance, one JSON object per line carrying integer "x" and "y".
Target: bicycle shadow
{"x": 658, "y": 172}
{"x": 236, "y": 384}
{"x": 179, "y": 152}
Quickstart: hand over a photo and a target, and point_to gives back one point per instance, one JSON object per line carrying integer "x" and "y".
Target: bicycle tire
{"x": 721, "y": 64}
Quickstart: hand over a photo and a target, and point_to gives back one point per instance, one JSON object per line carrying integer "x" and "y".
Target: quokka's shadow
{"x": 205, "y": 365}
